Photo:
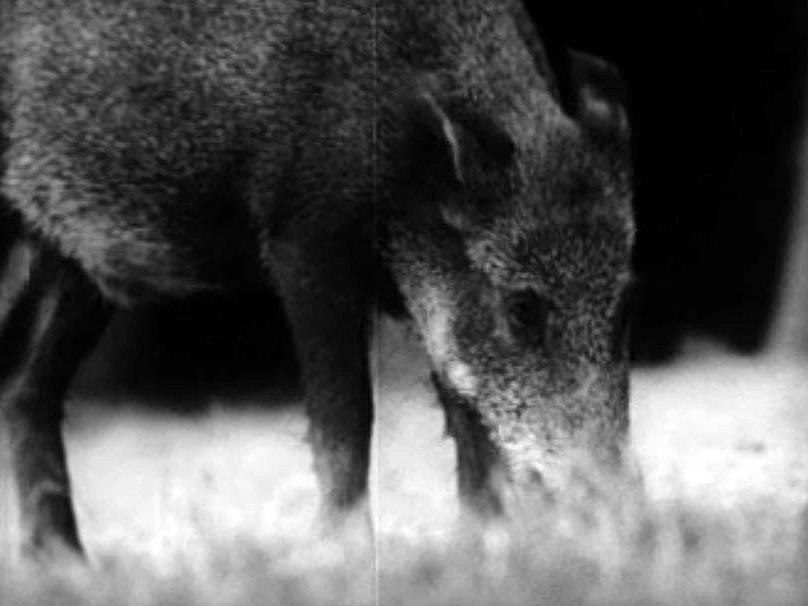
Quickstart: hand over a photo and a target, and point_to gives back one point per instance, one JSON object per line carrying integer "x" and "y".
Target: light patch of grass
{"x": 615, "y": 550}
{"x": 219, "y": 508}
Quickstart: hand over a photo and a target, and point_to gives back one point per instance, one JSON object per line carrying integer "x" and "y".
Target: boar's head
{"x": 519, "y": 279}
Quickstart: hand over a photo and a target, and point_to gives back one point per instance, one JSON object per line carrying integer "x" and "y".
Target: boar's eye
{"x": 527, "y": 313}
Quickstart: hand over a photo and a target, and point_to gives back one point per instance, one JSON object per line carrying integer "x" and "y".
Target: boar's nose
{"x": 586, "y": 378}
{"x": 535, "y": 477}
{"x": 531, "y": 477}
{"x": 606, "y": 450}
{"x": 610, "y": 453}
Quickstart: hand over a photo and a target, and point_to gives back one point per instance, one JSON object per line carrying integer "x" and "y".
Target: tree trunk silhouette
{"x": 789, "y": 327}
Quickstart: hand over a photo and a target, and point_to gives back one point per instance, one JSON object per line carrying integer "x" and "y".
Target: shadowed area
{"x": 177, "y": 356}
{"x": 717, "y": 103}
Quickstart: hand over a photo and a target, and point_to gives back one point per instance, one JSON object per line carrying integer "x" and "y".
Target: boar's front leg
{"x": 326, "y": 290}
{"x": 50, "y": 318}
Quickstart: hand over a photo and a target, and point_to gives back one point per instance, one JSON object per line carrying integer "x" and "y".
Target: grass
{"x": 217, "y": 508}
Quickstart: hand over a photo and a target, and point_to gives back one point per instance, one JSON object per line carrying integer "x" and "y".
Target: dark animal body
{"x": 414, "y": 156}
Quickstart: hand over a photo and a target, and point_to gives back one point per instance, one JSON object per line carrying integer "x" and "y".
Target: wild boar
{"x": 416, "y": 156}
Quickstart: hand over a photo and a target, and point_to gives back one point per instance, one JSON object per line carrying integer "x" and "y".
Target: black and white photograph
{"x": 403, "y": 302}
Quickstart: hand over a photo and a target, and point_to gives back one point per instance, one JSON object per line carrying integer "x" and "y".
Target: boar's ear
{"x": 465, "y": 143}
{"x": 442, "y": 141}
{"x": 597, "y": 96}
{"x": 464, "y": 152}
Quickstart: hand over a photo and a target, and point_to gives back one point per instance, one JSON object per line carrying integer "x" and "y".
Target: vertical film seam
{"x": 374, "y": 502}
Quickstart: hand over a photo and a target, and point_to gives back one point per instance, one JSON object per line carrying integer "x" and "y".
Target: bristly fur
{"x": 414, "y": 153}
{"x": 145, "y": 139}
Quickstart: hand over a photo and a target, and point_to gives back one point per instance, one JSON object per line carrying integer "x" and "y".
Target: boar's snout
{"x": 534, "y": 466}
{"x": 586, "y": 421}
{"x": 540, "y": 441}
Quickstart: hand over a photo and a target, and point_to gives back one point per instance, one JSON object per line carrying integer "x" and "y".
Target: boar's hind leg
{"x": 476, "y": 457}
{"x": 326, "y": 292}
{"x": 50, "y": 317}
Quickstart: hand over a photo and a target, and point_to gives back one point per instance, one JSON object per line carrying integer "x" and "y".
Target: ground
{"x": 216, "y": 507}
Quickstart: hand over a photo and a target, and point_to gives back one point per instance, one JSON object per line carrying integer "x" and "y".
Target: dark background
{"x": 717, "y": 97}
